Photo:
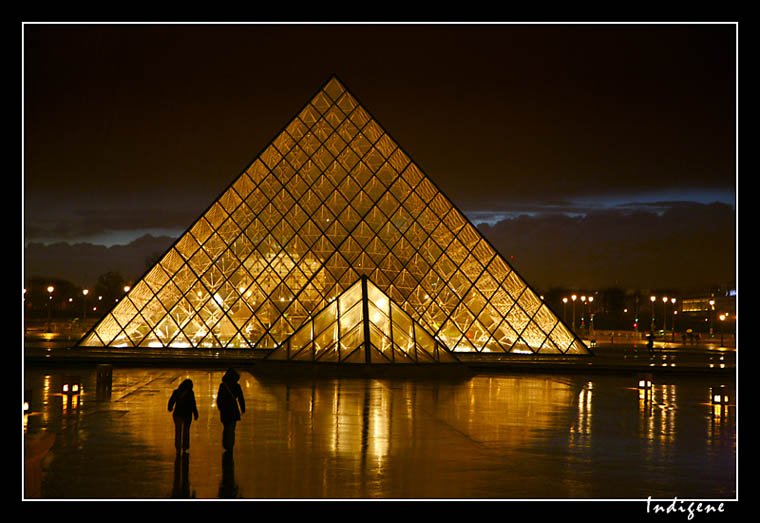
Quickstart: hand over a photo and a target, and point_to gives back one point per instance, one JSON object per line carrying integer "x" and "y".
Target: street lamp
{"x": 664, "y": 315}
{"x": 573, "y": 297}
{"x": 673, "y": 327}
{"x": 712, "y": 316}
{"x": 85, "y": 292}
{"x": 583, "y": 311}
{"x": 651, "y": 325}
{"x": 722, "y": 318}
{"x": 564, "y": 307}
{"x": 50, "y": 290}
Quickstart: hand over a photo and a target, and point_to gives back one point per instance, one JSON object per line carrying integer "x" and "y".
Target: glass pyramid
{"x": 362, "y": 325}
{"x": 330, "y": 199}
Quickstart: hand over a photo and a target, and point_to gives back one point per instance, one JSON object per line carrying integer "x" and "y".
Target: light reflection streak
{"x": 580, "y": 431}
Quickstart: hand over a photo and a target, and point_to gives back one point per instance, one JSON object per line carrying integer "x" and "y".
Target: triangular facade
{"x": 362, "y": 325}
{"x": 330, "y": 199}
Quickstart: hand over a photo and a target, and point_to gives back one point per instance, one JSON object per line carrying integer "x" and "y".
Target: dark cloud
{"x": 82, "y": 263}
{"x": 683, "y": 246}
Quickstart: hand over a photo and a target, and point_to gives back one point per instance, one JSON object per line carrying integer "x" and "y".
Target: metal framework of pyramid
{"x": 362, "y": 325}
{"x": 330, "y": 199}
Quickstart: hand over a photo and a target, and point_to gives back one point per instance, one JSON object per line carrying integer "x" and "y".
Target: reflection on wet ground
{"x": 507, "y": 436}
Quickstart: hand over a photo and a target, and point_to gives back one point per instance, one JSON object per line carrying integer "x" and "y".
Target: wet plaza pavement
{"x": 521, "y": 435}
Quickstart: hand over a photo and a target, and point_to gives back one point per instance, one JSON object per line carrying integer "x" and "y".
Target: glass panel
{"x": 401, "y": 321}
{"x": 399, "y": 160}
{"x": 106, "y": 331}
{"x": 301, "y": 337}
{"x": 352, "y": 339}
{"x": 380, "y": 341}
{"x": 347, "y": 103}
{"x": 172, "y": 261}
{"x": 514, "y": 285}
{"x": 561, "y": 337}
{"x": 517, "y": 318}
{"x": 545, "y": 319}
{"x": 403, "y": 342}
{"x": 350, "y": 318}
{"x": 576, "y": 348}
{"x": 327, "y": 353}
{"x": 169, "y": 295}
{"x": 377, "y": 298}
{"x": 424, "y": 340}
{"x": 335, "y": 116}
{"x": 533, "y": 335}
{"x": 333, "y": 88}
{"x": 123, "y": 312}
{"x": 529, "y": 302}
{"x": 321, "y": 101}
{"x": 379, "y": 319}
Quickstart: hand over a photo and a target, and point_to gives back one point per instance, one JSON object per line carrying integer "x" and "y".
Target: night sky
{"x": 590, "y": 155}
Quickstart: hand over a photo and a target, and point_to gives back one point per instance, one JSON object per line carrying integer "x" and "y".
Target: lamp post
{"x": 85, "y": 292}
{"x": 573, "y": 297}
{"x": 583, "y": 310}
{"x": 664, "y": 315}
{"x": 651, "y": 325}
{"x": 590, "y": 317}
{"x": 50, "y": 290}
{"x": 722, "y": 318}
{"x": 673, "y": 321}
{"x": 564, "y": 309}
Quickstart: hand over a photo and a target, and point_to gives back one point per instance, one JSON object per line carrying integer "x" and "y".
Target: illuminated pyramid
{"x": 362, "y": 325}
{"x": 330, "y": 199}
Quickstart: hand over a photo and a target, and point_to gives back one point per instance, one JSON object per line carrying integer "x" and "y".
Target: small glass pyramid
{"x": 330, "y": 199}
{"x": 362, "y": 325}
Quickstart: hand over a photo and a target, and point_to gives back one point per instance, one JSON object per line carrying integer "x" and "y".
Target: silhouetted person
{"x": 227, "y": 399}
{"x": 183, "y": 403}
{"x": 650, "y": 342}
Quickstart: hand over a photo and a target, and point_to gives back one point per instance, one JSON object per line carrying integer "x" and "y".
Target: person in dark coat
{"x": 228, "y": 398}
{"x": 183, "y": 402}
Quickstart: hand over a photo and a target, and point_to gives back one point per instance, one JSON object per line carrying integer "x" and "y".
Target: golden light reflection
{"x": 580, "y": 431}
{"x": 489, "y": 408}
{"x": 357, "y": 437}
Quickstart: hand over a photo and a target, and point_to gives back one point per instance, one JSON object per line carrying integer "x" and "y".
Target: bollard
{"x": 105, "y": 373}
{"x": 646, "y": 387}
{"x": 72, "y": 385}
{"x": 645, "y": 381}
{"x": 719, "y": 395}
{"x": 104, "y": 377}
